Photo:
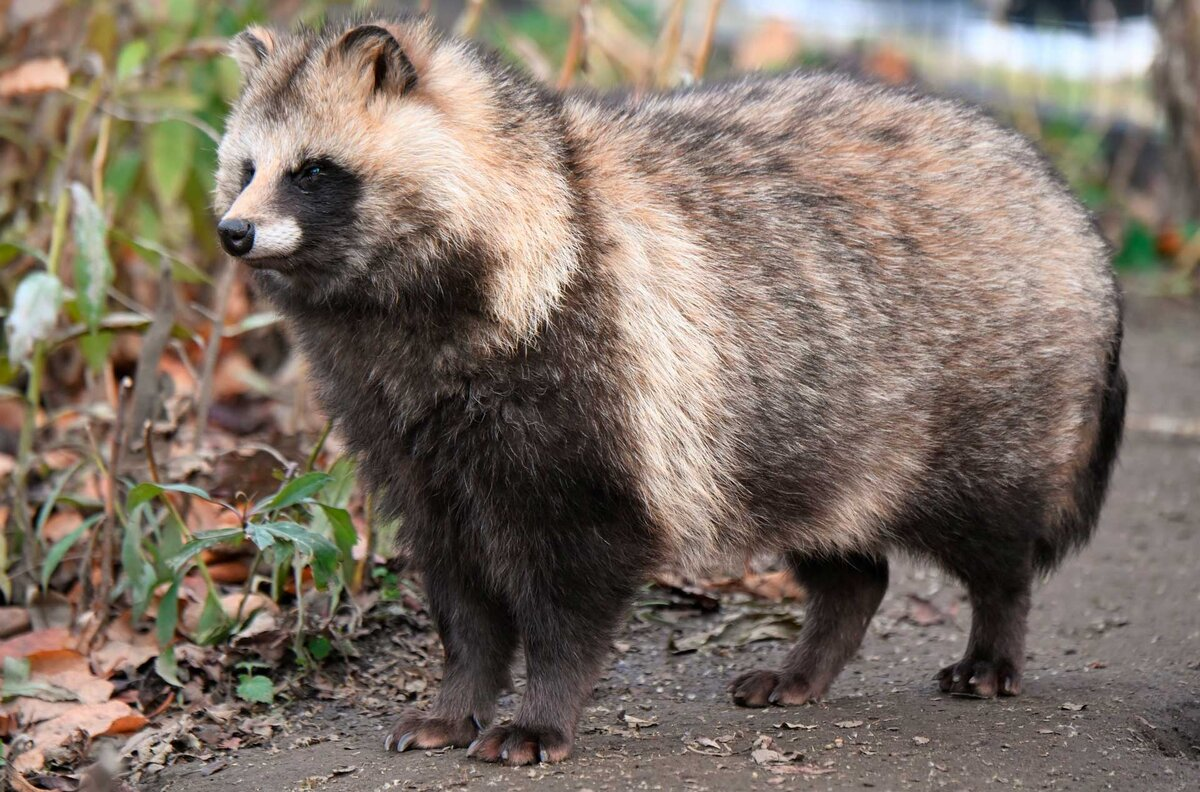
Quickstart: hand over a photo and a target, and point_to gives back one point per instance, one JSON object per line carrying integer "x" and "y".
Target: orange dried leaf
{"x": 37, "y": 76}
{"x": 29, "y": 710}
{"x": 777, "y": 586}
{"x": 70, "y": 671}
{"x": 30, "y": 644}
{"x": 117, "y": 655}
{"x": 127, "y": 724}
{"x": 60, "y": 524}
{"x": 60, "y": 458}
{"x": 111, "y": 717}
{"x": 229, "y": 571}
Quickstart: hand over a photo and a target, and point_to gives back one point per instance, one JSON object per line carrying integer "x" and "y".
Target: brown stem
{"x": 220, "y": 305}
{"x": 577, "y": 46}
{"x": 706, "y": 43}
{"x": 668, "y": 41}
{"x": 146, "y": 391}
{"x": 468, "y": 23}
{"x": 99, "y": 158}
{"x": 100, "y": 601}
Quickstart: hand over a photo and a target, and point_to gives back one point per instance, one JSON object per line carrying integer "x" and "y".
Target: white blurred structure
{"x": 1098, "y": 68}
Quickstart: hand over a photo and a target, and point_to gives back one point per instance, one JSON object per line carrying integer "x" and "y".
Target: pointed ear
{"x": 374, "y": 61}
{"x": 251, "y": 48}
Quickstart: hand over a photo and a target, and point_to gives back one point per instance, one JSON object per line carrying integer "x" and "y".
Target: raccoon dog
{"x": 572, "y": 338}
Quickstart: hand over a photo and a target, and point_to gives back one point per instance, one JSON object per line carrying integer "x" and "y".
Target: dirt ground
{"x": 1112, "y": 686}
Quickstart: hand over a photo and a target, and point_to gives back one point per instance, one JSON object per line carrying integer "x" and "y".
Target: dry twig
{"x": 205, "y": 390}
{"x": 668, "y": 45}
{"x": 706, "y": 42}
{"x": 577, "y": 47}
{"x": 468, "y": 23}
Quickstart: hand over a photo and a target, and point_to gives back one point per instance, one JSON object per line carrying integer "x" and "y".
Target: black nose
{"x": 237, "y": 236}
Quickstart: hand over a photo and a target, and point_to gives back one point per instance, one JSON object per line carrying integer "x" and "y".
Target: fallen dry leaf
{"x": 52, "y": 639}
{"x": 231, "y": 603}
{"x": 766, "y": 756}
{"x": 70, "y": 670}
{"x": 59, "y": 458}
{"x": 639, "y": 723}
{"x": 848, "y": 724}
{"x": 777, "y": 585}
{"x": 230, "y": 571}
{"x": 36, "y": 76}
{"x": 923, "y": 613}
{"x": 714, "y": 748}
{"x": 94, "y": 720}
{"x": 125, "y": 648}
{"x": 1069, "y": 707}
{"x": 60, "y": 524}
{"x": 13, "y": 620}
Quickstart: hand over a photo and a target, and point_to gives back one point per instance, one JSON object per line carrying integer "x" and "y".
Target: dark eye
{"x": 309, "y": 175}
{"x": 247, "y": 174}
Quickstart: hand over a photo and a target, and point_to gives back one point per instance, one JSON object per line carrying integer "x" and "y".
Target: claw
{"x": 405, "y": 741}
{"x": 475, "y": 720}
{"x": 543, "y": 755}
{"x": 387, "y": 742}
{"x": 474, "y": 746}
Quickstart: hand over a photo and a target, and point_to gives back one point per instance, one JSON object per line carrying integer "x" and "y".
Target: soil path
{"x": 1112, "y": 695}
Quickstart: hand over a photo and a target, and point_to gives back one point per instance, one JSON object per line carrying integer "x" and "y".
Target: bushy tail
{"x": 1092, "y": 483}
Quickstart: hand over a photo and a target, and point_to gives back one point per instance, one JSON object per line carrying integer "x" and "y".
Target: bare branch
{"x": 706, "y": 43}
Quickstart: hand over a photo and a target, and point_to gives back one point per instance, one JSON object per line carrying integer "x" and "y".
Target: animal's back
{"x": 904, "y": 303}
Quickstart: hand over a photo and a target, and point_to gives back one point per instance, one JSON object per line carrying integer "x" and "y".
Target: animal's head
{"x": 355, "y": 158}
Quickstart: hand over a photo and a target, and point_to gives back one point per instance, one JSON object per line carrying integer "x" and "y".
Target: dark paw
{"x": 980, "y": 679}
{"x": 417, "y": 729}
{"x": 518, "y": 745}
{"x": 764, "y": 688}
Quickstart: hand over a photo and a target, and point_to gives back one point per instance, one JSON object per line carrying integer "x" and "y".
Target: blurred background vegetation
{"x": 166, "y": 473}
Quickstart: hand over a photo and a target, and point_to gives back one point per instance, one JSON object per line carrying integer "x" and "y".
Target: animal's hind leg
{"x": 995, "y": 655}
{"x": 843, "y": 596}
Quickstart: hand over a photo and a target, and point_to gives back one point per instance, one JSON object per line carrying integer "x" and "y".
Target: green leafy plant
{"x": 255, "y": 688}
{"x": 293, "y": 530}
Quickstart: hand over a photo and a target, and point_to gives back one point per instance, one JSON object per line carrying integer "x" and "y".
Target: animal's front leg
{"x": 478, "y": 641}
{"x": 567, "y": 625}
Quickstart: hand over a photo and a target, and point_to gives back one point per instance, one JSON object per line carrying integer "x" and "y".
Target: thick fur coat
{"x": 573, "y": 337}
